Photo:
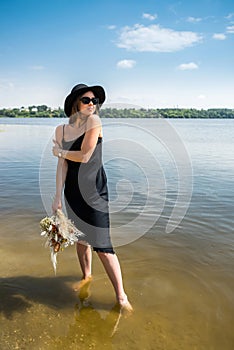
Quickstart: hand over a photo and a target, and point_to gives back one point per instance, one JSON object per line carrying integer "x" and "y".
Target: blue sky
{"x": 148, "y": 53}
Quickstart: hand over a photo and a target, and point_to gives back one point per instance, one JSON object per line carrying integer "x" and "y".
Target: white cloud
{"x": 188, "y": 66}
{"x": 111, "y": 27}
{"x": 153, "y": 38}
{"x": 126, "y": 64}
{"x": 219, "y": 36}
{"x": 149, "y": 16}
{"x": 230, "y": 29}
{"x": 194, "y": 19}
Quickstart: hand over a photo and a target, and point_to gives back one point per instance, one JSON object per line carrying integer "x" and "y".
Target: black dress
{"x": 86, "y": 196}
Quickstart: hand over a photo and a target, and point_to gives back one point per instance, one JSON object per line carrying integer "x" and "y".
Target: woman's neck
{"x": 79, "y": 121}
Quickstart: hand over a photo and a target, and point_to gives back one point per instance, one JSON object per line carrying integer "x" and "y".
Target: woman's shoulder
{"x": 94, "y": 117}
{"x": 59, "y": 131}
{"x": 60, "y": 127}
{"x": 94, "y": 120}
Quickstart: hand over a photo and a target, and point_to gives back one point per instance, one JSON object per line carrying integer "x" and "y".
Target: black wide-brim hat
{"x": 80, "y": 89}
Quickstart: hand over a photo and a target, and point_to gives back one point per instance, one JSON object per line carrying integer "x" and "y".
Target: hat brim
{"x": 96, "y": 89}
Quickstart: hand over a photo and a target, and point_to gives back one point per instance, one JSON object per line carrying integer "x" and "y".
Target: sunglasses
{"x": 87, "y": 100}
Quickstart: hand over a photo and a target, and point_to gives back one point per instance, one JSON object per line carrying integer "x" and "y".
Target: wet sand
{"x": 181, "y": 289}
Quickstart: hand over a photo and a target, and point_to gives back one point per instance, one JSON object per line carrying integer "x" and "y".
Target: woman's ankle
{"x": 122, "y": 298}
{"x": 124, "y": 303}
{"x": 87, "y": 277}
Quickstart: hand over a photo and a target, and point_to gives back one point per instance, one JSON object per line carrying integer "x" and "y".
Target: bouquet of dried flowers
{"x": 60, "y": 232}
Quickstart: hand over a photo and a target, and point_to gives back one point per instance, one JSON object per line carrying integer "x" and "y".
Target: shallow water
{"x": 180, "y": 284}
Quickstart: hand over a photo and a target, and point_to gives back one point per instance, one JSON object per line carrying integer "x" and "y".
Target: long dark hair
{"x": 75, "y": 109}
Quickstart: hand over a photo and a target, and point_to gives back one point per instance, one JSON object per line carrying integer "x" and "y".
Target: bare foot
{"x": 78, "y": 285}
{"x": 125, "y": 304}
{"x": 82, "y": 287}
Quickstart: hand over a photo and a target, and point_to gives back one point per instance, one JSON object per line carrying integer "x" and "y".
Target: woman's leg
{"x": 84, "y": 254}
{"x": 112, "y": 267}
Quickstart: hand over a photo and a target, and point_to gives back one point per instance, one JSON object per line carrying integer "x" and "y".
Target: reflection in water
{"x": 19, "y": 293}
{"x": 41, "y": 302}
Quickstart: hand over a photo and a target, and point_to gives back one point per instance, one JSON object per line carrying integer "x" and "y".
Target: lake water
{"x": 171, "y": 187}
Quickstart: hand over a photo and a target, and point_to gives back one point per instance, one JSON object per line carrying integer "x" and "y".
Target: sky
{"x": 151, "y": 54}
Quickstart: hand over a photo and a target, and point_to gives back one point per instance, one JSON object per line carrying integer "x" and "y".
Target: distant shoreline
{"x": 43, "y": 111}
{"x": 123, "y": 118}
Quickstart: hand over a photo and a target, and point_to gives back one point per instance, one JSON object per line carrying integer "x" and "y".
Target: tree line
{"x": 43, "y": 111}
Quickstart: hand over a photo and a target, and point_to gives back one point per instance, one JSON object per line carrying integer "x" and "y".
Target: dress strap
{"x": 63, "y": 130}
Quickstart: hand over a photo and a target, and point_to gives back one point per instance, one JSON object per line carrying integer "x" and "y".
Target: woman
{"x": 80, "y": 172}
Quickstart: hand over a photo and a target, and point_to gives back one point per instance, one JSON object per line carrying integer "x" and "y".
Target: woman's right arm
{"x": 61, "y": 173}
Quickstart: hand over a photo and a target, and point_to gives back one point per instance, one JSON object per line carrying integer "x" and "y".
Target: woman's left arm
{"x": 61, "y": 172}
{"x": 88, "y": 145}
